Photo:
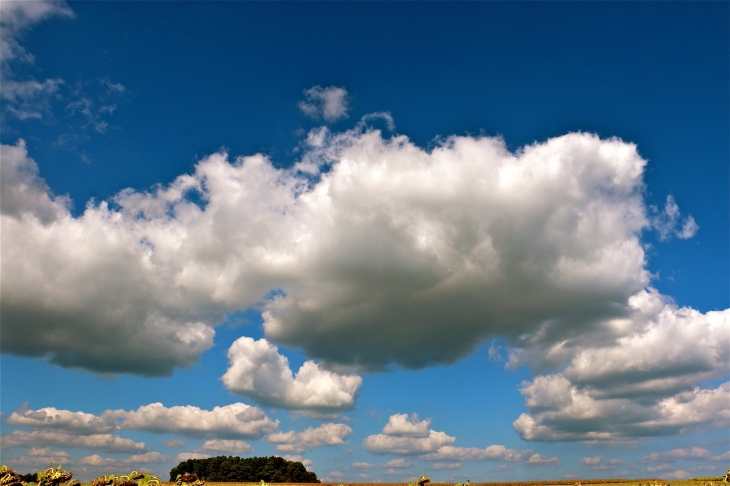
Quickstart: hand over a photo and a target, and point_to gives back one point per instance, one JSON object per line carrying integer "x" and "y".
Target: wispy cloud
{"x": 330, "y": 103}
{"x": 668, "y": 222}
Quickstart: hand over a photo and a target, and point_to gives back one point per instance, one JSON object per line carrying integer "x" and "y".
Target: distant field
{"x": 561, "y": 482}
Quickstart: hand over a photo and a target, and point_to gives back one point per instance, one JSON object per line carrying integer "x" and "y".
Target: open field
{"x": 557, "y": 482}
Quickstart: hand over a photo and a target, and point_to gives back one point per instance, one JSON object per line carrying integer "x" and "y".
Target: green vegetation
{"x": 49, "y": 477}
{"x": 251, "y": 469}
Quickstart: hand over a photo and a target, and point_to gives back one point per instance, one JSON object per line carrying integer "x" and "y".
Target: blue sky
{"x": 472, "y": 240}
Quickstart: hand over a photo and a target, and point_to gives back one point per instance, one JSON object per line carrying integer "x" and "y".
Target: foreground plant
{"x": 8, "y": 477}
{"x": 421, "y": 481}
{"x": 53, "y": 477}
{"x": 134, "y": 478}
{"x": 190, "y": 479}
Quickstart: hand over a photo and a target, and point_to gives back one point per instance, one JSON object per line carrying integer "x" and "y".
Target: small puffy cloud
{"x": 674, "y": 454}
{"x": 591, "y": 460}
{"x": 234, "y": 421}
{"x": 44, "y": 438}
{"x": 362, "y": 465}
{"x": 405, "y": 436}
{"x": 258, "y": 371}
{"x": 401, "y": 425}
{"x": 678, "y": 474}
{"x": 334, "y": 477}
{"x": 223, "y": 445}
{"x": 722, "y": 457}
{"x": 439, "y": 466}
{"x": 399, "y": 462}
{"x": 311, "y": 437}
{"x": 52, "y": 418}
{"x": 540, "y": 460}
{"x": 330, "y": 103}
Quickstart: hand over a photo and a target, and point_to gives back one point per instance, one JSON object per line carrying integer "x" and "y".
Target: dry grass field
{"x": 560, "y": 482}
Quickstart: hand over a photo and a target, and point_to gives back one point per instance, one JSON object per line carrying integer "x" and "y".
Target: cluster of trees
{"x": 251, "y": 469}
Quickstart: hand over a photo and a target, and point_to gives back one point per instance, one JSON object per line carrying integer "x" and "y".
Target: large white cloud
{"x": 79, "y": 429}
{"x": 234, "y": 421}
{"x": 376, "y": 251}
{"x": 52, "y": 418}
{"x": 311, "y": 437}
{"x": 84, "y": 295}
{"x": 44, "y": 438}
{"x": 491, "y": 453}
{"x": 258, "y": 371}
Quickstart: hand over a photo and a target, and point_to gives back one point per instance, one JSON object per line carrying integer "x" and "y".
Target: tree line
{"x": 251, "y": 469}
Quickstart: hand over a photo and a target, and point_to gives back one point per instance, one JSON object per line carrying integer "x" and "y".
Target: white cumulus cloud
{"x": 258, "y": 371}
{"x": 399, "y": 462}
{"x": 71, "y": 422}
{"x": 379, "y": 253}
{"x": 491, "y": 453}
{"x": 45, "y": 438}
{"x": 406, "y": 436}
{"x": 234, "y": 421}
{"x": 638, "y": 374}
{"x": 400, "y": 424}
{"x": 574, "y": 414}
{"x": 311, "y": 437}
